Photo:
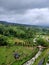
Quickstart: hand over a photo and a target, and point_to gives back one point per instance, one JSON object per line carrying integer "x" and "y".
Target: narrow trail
{"x": 31, "y": 61}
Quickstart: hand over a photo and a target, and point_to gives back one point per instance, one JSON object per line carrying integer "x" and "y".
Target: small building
{"x": 16, "y": 55}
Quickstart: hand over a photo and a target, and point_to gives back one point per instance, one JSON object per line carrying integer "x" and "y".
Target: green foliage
{"x": 42, "y": 42}
{"x": 23, "y": 32}
{"x": 3, "y": 41}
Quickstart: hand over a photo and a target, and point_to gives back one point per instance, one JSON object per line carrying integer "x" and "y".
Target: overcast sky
{"x": 34, "y": 12}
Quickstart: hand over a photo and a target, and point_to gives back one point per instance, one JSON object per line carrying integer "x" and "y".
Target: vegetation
{"x": 20, "y": 39}
{"x": 46, "y": 59}
{"x": 7, "y": 54}
{"x": 43, "y": 55}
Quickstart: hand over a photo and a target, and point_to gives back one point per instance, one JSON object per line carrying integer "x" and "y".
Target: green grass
{"x": 7, "y": 57}
{"x": 46, "y": 59}
{"x": 2, "y": 55}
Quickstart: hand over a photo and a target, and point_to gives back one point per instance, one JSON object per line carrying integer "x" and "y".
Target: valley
{"x": 23, "y": 44}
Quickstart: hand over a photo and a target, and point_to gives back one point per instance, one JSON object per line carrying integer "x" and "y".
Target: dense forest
{"x": 26, "y": 33}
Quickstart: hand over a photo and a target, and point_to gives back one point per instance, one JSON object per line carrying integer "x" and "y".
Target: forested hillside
{"x": 24, "y": 33}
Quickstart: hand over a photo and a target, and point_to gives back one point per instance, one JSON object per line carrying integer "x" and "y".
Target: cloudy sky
{"x": 35, "y": 12}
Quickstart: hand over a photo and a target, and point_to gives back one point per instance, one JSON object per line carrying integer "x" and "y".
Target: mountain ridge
{"x": 10, "y": 23}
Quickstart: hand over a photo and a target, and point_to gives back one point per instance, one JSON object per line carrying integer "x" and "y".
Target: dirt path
{"x": 31, "y": 61}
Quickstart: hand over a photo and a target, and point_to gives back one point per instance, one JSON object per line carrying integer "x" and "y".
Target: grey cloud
{"x": 34, "y": 12}
{"x": 21, "y": 5}
{"x": 31, "y": 16}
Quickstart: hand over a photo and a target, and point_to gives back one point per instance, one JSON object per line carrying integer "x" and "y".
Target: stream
{"x": 41, "y": 62}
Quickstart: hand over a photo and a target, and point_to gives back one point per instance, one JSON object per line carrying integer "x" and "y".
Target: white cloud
{"x": 36, "y": 16}
{"x": 31, "y": 16}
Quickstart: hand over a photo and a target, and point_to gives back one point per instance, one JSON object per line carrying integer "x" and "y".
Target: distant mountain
{"x": 8, "y": 23}
{"x": 5, "y": 22}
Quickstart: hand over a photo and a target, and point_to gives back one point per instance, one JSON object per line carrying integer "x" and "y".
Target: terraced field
{"x": 7, "y": 54}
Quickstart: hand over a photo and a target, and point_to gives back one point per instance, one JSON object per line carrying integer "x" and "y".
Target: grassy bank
{"x": 46, "y": 59}
{"x": 43, "y": 55}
